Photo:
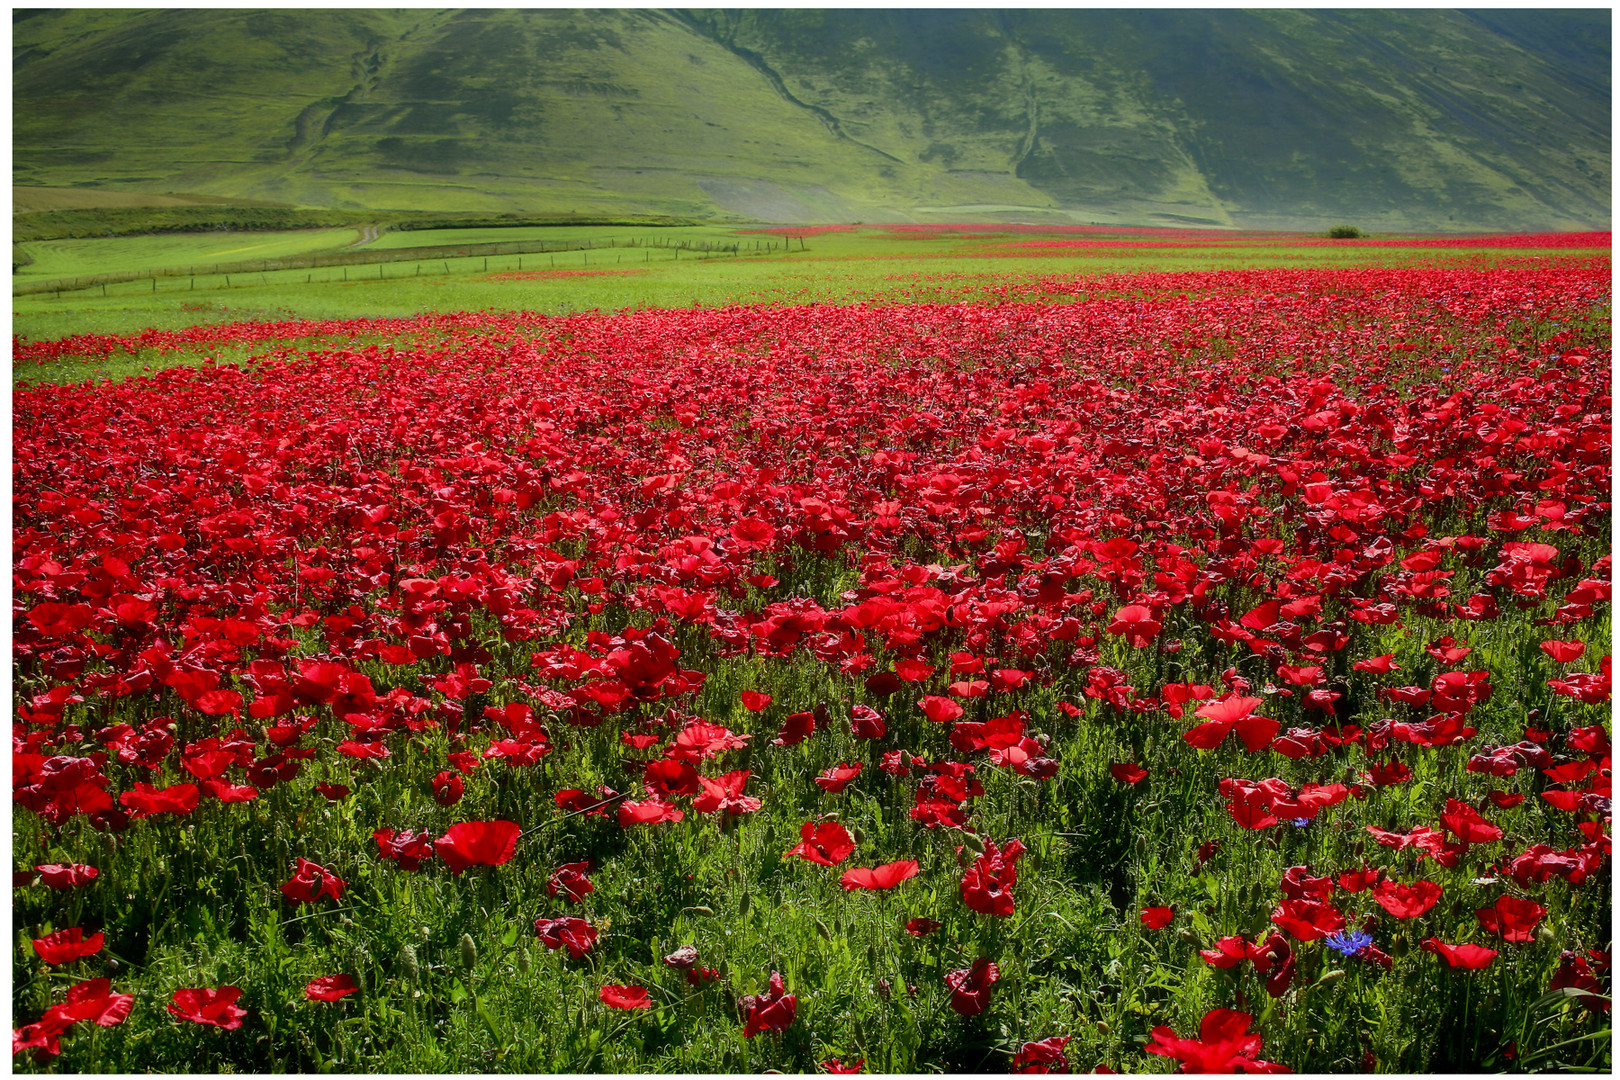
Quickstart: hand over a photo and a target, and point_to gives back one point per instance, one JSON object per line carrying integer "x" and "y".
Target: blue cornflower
{"x": 1348, "y": 943}
{"x": 1299, "y": 822}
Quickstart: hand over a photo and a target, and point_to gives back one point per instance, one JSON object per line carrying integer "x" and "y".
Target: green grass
{"x": 75, "y": 258}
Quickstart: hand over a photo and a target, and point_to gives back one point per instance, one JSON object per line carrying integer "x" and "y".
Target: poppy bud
{"x": 408, "y": 966}
{"x": 469, "y": 952}
{"x": 1329, "y": 977}
{"x": 1141, "y": 846}
{"x": 522, "y": 960}
{"x": 109, "y": 844}
{"x": 821, "y": 928}
{"x": 744, "y": 903}
{"x": 1102, "y": 1028}
{"x": 858, "y": 836}
{"x": 972, "y": 842}
{"x": 698, "y": 910}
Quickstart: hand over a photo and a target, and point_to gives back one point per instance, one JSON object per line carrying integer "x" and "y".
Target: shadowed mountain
{"x": 1387, "y": 119}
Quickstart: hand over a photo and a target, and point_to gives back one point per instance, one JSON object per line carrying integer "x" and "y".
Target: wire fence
{"x": 378, "y": 260}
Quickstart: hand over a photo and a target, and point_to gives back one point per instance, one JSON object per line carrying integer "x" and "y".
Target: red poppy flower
{"x": 795, "y": 729}
{"x": 834, "y": 780}
{"x": 331, "y": 988}
{"x": 940, "y": 710}
{"x": 310, "y": 882}
{"x": 1576, "y": 971}
{"x": 93, "y": 1001}
{"x": 649, "y": 812}
{"x": 1304, "y": 675}
{"x": 970, "y": 987}
{"x": 1406, "y": 901}
{"x": 1157, "y": 918}
{"x": 1589, "y": 740}
{"x": 477, "y": 843}
{"x": 576, "y": 801}
{"x": 569, "y": 879}
{"x": 90, "y": 1001}
{"x": 1228, "y": 952}
{"x": 1228, "y": 715}
{"x": 1298, "y": 884}
{"x": 209, "y": 1006}
{"x": 752, "y": 532}
{"x": 1224, "y": 1045}
{"x": 406, "y": 848}
{"x": 826, "y": 844}
{"x": 838, "y": 1068}
{"x": 987, "y": 885}
{"x": 1387, "y": 774}
{"x": 913, "y": 670}
{"x": 700, "y": 740}
{"x": 1045, "y": 1056}
{"x": 666, "y": 777}
{"x": 146, "y": 800}
{"x": 1128, "y": 773}
{"x": 625, "y": 997}
{"x": 724, "y": 795}
{"x": 886, "y": 876}
{"x": 1512, "y": 917}
{"x": 69, "y": 876}
{"x": 448, "y": 788}
{"x": 1354, "y": 881}
{"x": 1564, "y": 651}
{"x": 1468, "y": 825}
{"x": 921, "y": 927}
{"x": 576, "y": 935}
{"x": 1308, "y": 920}
{"x": 66, "y": 946}
{"x": 754, "y": 701}
{"x": 1466, "y": 956}
{"x": 771, "y": 1011}
{"x": 1025, "y": 757}
{"x": 866, "y": 723}
{"x": 1136, "y": 623}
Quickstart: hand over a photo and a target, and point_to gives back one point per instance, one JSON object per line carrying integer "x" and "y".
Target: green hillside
{"x": 1291, "y": 119}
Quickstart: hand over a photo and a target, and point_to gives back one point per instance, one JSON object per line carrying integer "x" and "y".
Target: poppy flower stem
{"x": 555, "y": 821}
{"x": 316, "y": 915}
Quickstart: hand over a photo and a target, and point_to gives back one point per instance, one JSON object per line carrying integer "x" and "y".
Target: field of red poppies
{"x": 1132, "y": 672}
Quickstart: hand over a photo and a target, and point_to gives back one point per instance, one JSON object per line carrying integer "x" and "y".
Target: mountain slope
{"x": 1404, "y": 119}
